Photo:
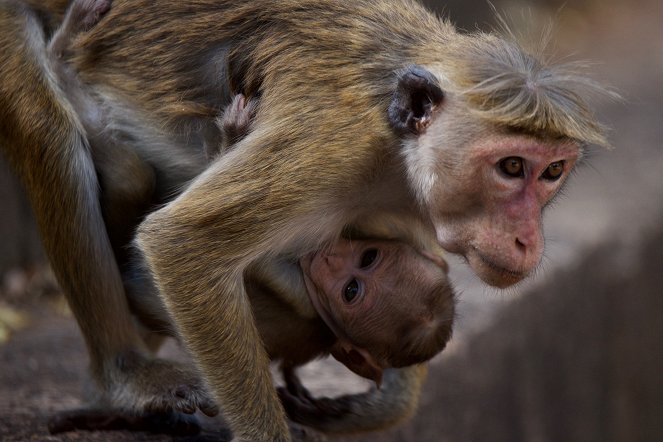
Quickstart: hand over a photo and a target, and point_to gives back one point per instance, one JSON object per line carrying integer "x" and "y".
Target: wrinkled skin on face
{"x": 507, "y": 184}
{"x": 485, "y": 189}
{"x": 388, "y": 304}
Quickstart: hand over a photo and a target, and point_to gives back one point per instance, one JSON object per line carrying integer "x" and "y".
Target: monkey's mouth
{"x": 500, "y": 276}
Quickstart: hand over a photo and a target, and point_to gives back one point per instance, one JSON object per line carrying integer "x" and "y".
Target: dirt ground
{"x": 44, "y": 371}
{"x": 616, "y": 196}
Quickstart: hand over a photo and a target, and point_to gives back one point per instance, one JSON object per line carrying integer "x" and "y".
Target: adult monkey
{"x": 466, "y": 134}
{"x": 159, "y": 386}
{"x": 125, "y": 183}
{"x": 309, "y": 168}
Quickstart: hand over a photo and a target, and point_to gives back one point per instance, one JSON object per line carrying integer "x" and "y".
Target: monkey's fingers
{"x": 189, "y": 399}
{"x": 161, "y": 386}
{"x": 107, "y": 419}
{"x": 291, "y": 401}
{"x": 237, "y": 118}
{"x": 209, "y": 408}
{"x": 298, "y": 390}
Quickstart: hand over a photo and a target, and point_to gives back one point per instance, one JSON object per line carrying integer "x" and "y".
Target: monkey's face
{"x": 346, "y": 275}
{"x": 352, "y": 276}
{"x": 393, "y": 304}
{"x": 489, "y": 208}
{"x": 483, "y": 181}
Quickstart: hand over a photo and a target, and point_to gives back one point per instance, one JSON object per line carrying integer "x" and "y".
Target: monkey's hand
{"x": 305, "y": 409}
{"x": 143, "y": 394}
{"x": 152, "y": 385}
{"x": 235, "y": 123}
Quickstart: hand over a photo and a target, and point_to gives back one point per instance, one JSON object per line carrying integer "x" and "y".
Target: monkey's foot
{"x": 147, "y": 385}
{"x": 91, "y": 419}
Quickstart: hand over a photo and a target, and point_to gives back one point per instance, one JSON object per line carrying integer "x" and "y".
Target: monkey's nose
{"x": 527, "y": 251}
{"x": 528, "y": 240}
{"x": 520, "y": 246}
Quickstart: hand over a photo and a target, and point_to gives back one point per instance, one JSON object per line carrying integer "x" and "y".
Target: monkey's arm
{"x": 213, "y": 315}
{"x": 251, "y": 203}
{"x": 399, "y": 225}
{"x": 395, "y": 400}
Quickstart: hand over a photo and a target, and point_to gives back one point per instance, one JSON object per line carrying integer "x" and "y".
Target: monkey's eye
{"x": 368, "y": 258}
{"x": 513, "y": 167}
{"x": 351, "y": 291}
{"x": 554, "y": 171}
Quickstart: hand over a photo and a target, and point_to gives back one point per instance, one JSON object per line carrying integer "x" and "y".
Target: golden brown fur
{"x": 323, "y": 155}
{"x": 507, "y": 86}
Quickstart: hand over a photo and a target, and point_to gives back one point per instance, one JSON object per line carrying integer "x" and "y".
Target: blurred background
{"x": 574, "y": 354}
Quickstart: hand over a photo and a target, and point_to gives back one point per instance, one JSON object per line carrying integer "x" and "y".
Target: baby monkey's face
{"x": 378, "y": 297}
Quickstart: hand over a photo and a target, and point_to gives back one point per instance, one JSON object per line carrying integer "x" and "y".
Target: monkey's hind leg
{"x": 52, "y": 157}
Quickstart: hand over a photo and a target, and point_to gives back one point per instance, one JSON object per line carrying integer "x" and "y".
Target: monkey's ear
{"x": 416, "y": 96}
{"x": 358, "y": 360}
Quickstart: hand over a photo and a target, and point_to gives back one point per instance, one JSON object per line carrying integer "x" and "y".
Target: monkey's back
{"x": 313, "y": 60}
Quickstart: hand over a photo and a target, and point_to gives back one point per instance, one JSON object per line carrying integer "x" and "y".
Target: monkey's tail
{"x": 379, "y": 408}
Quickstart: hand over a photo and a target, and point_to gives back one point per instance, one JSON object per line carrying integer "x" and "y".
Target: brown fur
{"x": 410, "y": 301}
{"x": 285, "y": 334}
{"x": 322, "y": 156}
{"x": 507, "y": 86}
{"x": 64, "y": 198}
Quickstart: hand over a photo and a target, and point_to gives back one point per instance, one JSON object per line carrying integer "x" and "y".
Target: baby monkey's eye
{"x": 368, "y": 258}
{"x": 351, "y": 291}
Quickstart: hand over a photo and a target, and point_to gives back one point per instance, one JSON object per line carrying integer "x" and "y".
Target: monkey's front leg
{"x": 245, "y": 205}
{"x": 53, "y": 160}
{"x": 214, "y": 317}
